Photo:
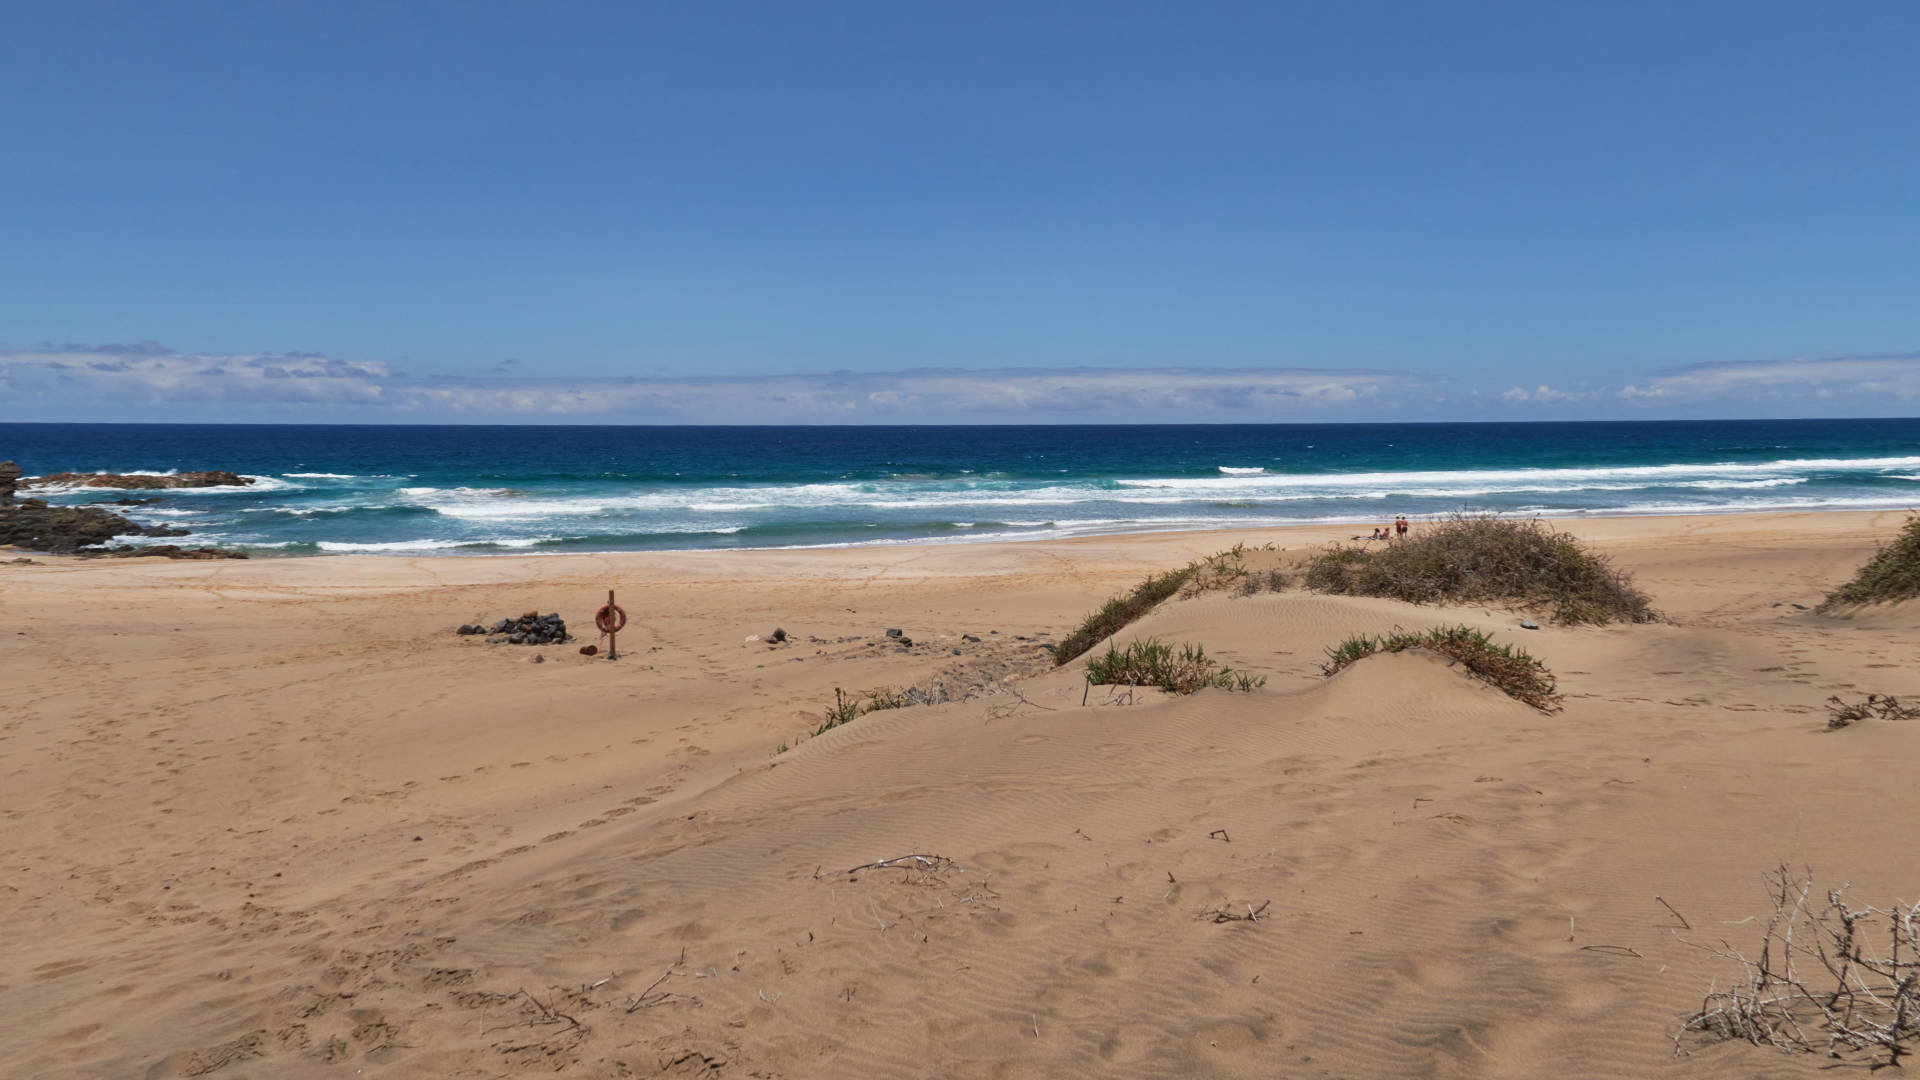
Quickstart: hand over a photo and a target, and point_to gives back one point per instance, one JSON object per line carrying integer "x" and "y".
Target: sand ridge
{"x": 286, "y": 823}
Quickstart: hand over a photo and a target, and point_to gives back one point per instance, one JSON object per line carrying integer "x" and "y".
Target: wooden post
{"x": 613, "y": 636}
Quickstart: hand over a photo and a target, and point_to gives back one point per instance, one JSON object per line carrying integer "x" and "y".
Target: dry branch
{"x": 1684, "y": 924}
{"x": 1850, "y": 973}
{"x": 647, "y": 999}
{"x": 1225, "y": 913}
{"x": 1841, "y": 713}
{"x": 920, "y": 869}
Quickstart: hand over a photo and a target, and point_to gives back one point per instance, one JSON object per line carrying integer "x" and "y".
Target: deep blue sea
{"x": 480, "y": 490}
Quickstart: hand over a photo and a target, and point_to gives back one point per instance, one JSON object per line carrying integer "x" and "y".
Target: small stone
{"x": 1529, "y": 624}
{"x": 893, "y": 633}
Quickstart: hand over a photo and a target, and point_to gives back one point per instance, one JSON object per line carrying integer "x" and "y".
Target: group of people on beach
{"x": 1395, "y": 531}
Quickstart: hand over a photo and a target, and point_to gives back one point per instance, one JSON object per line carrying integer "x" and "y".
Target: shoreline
{"x": 1331, "y": 527}
{"x": 1614, "y": 527}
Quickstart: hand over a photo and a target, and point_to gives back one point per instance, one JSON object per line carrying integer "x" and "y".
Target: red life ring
{"x": 610, "y": 619}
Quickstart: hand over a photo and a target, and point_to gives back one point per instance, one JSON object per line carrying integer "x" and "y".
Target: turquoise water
{"x": 478, "y": 490}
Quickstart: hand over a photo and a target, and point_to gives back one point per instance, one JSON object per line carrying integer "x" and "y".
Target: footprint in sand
{"x": 1125, "y": 1047}
{"x": 1226, "y": 1040}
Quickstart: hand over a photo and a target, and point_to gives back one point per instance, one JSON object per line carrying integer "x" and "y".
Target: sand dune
{"x": 274, "y": 819}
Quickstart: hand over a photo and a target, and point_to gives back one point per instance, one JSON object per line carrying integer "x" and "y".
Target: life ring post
{"x": 613, "y": 635}
{"x": 610, "y": 620}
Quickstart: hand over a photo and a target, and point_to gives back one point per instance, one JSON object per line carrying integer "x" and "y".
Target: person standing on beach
{"x": 1400, "y": 526}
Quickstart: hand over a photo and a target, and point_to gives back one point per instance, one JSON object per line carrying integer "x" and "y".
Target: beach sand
{"x": 274, "y": 819}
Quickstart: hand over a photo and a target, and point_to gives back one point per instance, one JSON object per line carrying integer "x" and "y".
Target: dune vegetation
{"x": 1510, "y": 669}
{"x": 1892, "y": 574}
{"x": 1155, "y": 663}
{"x": 1234, "y": 570}
{"x": 1484, "y": 559}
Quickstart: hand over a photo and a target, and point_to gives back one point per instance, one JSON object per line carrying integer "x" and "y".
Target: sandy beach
{"x": 273, "y": 818}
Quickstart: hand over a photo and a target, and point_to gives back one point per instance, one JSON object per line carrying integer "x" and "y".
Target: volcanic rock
{"x": 34, "y": 525}
{"x": 9, "y": 476}
{"x": 208, "y": 478}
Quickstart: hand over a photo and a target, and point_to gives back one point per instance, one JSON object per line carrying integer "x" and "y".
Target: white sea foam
{"x": 1240, "y": 497}
{"x": 1532, "y": 479}
{"x": 1738, "y": 485}
{"x": 320, "y": 476}
{"x": 393, "y": 545}
{"x": 1247, "y": 487}
{"x": 436, "y": 545}
{"x": 260, "y": 483}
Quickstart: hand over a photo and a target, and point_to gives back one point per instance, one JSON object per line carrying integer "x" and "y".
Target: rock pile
{"x": 532, "y": 628}
{"x": 140, "y": 482}
{"x": 9, "y": 476}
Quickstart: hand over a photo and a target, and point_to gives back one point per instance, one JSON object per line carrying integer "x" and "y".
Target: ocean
{"x": 325, "y": 489}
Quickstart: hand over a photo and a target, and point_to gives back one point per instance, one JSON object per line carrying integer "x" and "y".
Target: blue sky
{"x": 876, "y": 212}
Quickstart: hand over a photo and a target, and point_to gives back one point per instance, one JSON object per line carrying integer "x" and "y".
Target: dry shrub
{"x": 1509, "y": 669}
{"x": 1480, "y": 558}
{"x": 1239, "y": 570}
{"x": 1892, "y": 574}
{"x": 1153, "y": 663}
{"x": 1875, "y": 707}
{"x": 1829, "y": 979}
{"x": 847, "y": 708}
{"x": 1227, "y": 571}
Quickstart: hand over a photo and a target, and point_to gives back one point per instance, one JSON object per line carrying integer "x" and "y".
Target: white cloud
{"x": 1868, "y": 378}
{"x": 145, "y": 373}
{"x": 1543, "y": 395}
{"x": 150, "y": 375}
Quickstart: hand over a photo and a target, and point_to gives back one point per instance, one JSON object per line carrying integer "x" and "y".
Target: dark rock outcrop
{"x": 62, "y": 530}
{"x": 208, "y": 478}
